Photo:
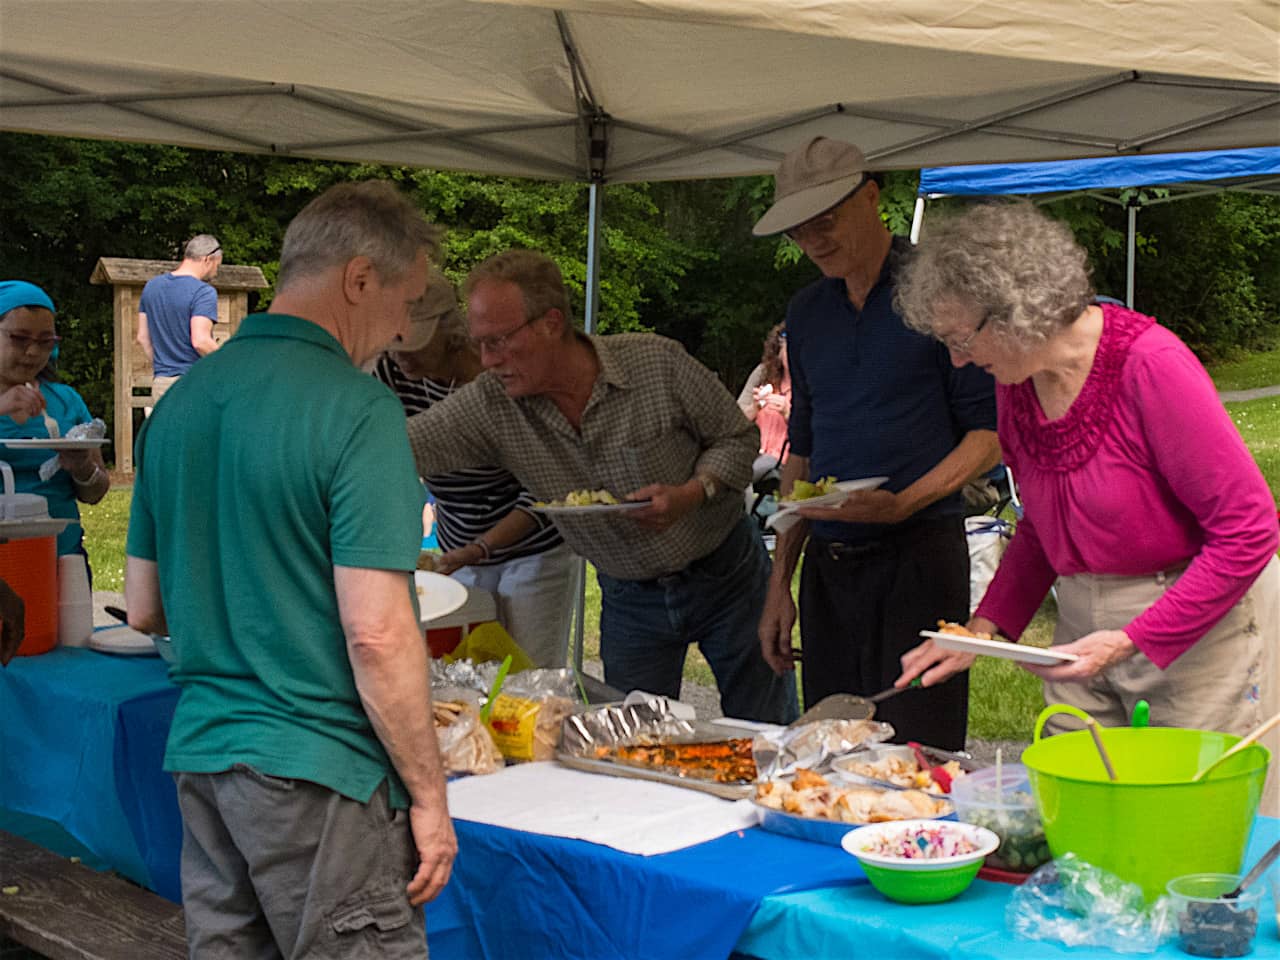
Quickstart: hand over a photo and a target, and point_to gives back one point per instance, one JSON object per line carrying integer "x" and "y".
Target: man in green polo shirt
{"x": 274, "y": 528}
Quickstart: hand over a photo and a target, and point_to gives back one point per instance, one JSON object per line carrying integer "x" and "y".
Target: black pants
{"x": 862, "y": 607}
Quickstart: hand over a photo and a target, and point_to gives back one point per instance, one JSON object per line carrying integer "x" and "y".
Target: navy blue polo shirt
{"x": 871, "y": 397}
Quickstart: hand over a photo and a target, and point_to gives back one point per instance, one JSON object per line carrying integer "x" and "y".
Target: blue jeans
{"x": 646, "y": 627}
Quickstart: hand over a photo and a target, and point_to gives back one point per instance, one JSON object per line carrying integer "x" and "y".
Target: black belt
{"x": 839, "y": 550}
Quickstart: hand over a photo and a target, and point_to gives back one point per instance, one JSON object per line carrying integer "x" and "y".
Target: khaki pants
{"x": 159, "y": 387}
{"x": 1228, "y": 681}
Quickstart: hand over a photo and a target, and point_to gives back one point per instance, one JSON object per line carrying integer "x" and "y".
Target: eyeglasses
{"x": 498, "y": 342}
{"x": 962, "y": 346}
{"x": 825, "y": 223}
{"x": 24, "y": 342}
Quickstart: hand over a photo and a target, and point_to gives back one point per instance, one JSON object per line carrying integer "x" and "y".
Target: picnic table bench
{"x": 66, "y": 911}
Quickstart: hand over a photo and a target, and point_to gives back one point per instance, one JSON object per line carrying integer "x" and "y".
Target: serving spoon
{"x": 1258, "y": 870}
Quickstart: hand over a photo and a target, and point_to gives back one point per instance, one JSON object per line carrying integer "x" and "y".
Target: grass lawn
{"x": 1005, "y": 698}
{"x": 1255, "y": 370}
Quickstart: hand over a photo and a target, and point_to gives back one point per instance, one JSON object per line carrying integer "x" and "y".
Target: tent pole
{"x": 917, "y": 219}
{"x": 1132, "y": 249}
{"x": 595, "y": 200}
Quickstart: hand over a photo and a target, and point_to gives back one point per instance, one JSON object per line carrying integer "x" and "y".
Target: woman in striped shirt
{"x": 491, "y": 538}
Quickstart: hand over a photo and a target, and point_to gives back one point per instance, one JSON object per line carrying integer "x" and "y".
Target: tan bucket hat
{"x": 439, "y": 298}
{"x": 810, "y": 181}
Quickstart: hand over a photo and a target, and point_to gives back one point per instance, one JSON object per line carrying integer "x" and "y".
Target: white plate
{"x": 438, "y": 595}
{"x": 785, "y": 516}
{"x": 594, "y": 508}
{"x": 26, "y": 528}
{"x": 46, "y": 443}
{"x": 1045, "y": 657}
{"x": 123, "y": 640}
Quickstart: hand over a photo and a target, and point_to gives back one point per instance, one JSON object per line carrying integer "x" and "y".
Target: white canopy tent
{"x": 630, "y": 90}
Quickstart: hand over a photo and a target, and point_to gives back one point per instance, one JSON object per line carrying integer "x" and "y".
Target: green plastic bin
{"x": 1152, "y": 823}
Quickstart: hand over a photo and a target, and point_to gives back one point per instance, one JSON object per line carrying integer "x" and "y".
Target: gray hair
{"x": 537, "y": 276}
{"x": 371, "y": 219}
{"x": 200, "y": 246}
{"x": 1007, "y": 260}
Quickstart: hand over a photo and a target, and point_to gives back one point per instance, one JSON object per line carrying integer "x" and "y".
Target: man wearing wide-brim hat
{"x": 870, "y": 398}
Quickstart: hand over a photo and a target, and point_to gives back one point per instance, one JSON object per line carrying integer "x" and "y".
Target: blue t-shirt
{"x": 870, "y": 397}
{"x": 68, "y": 408}
{"x": 170, "y": 302}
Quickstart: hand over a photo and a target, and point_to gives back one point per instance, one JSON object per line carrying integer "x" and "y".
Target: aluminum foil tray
{"x": 729, "y": 791}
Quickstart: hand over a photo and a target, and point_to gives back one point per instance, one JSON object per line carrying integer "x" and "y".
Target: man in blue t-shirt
{"x": 870, "y": 398}
{"x": 177, "y": 312}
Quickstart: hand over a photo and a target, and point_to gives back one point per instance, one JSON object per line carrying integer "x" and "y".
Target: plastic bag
{"x": 465, "y": 743}
{"x": 528, "y": 714}
{"x": 95, "y": 429}
{"x": 490, "y": 642}
{"x": 1077, "y": 904}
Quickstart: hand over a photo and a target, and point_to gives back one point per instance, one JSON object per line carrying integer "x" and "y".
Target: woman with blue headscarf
{"x": 28, "y": 392}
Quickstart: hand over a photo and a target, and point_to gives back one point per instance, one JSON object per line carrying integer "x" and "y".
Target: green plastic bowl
{"x": 922, "y": 886}
{"x": 920, "y": 880}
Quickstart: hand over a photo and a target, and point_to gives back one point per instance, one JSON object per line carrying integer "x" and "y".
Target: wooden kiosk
{"x": 131, "y": 370}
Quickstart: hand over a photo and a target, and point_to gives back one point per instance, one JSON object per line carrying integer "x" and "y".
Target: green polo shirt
{"x": 271, "y": 461}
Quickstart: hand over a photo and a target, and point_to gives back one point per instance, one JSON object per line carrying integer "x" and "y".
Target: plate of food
{"x": 53, "y": 443}
{"x": 950, "y": 637}
{"x": 827, "y": 492}
{"x": 588, "y": 501}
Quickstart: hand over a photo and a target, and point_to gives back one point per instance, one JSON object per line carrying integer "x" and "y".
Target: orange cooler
{"x": 30, "y": 567}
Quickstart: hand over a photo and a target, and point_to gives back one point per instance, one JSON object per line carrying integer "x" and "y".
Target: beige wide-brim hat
{"x": 425, "y": 315}
{"x": 810, "y": 181}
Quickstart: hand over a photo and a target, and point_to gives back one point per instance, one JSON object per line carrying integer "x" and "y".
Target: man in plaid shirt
{"x": 633, "y": 414}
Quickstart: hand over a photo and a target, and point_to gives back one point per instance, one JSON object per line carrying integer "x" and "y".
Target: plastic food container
{"x": 1008, "y": 809}
{"x": 1209, "y": 926}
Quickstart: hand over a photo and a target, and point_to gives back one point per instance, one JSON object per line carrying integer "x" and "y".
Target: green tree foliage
{"x": 677, "y": 258}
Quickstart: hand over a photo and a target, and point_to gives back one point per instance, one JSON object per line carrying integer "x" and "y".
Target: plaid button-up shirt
{"x": 655, "y": 415}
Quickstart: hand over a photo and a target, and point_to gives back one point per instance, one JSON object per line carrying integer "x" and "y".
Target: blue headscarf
{"x": 19, "y": 293}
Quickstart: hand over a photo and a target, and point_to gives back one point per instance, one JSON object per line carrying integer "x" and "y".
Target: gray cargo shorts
{"x": 276, "y": 868}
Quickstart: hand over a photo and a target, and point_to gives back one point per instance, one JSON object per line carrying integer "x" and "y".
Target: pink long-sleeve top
{"x": 1144, "y": 472}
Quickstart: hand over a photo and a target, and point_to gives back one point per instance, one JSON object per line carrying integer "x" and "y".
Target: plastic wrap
{"x": 1075, "y": 903}
{"x": 465, "y": 744}
{"x": 95, "y": 429}
{"x": 813, "y": 746}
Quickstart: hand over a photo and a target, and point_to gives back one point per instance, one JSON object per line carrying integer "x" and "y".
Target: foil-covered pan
{"x": 729, "y": 791}
{"x": 645, "y": 720}
{"x": 843, "y": 768}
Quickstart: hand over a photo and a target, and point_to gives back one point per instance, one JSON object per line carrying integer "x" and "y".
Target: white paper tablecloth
{"x": 634, "y": 816}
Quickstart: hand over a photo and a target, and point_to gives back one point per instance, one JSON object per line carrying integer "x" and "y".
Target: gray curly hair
{"x": 1007, "y": 260}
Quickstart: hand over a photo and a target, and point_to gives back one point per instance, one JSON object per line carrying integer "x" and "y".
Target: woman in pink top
{"x": 766, "y": 397}
{"x": 1140, "y": 498}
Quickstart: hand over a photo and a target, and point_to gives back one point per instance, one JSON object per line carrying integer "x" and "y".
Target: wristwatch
{"x": 709, "y": 487}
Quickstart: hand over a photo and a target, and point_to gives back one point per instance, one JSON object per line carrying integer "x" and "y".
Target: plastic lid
{"x": 20, "y": 506}
{"x": 980, "y": 788}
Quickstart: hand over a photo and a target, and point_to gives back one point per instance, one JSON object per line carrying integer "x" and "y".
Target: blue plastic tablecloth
{"x": 82, "y": 739}
{"x": 520, "y": 895}
{"x": 851, "y": 922}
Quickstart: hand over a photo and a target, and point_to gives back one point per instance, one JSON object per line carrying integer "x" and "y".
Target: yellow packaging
{"x": 527, "y": 729}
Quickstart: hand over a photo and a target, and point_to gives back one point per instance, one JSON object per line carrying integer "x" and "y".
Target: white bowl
{"x": 857, "y": 843}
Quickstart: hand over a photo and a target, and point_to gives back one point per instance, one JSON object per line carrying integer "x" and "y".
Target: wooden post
{"x": 131, "y": 369}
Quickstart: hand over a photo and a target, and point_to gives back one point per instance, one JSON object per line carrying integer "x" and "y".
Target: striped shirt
{"x": 469, "y": 501}
{"x": 655, "y": 415}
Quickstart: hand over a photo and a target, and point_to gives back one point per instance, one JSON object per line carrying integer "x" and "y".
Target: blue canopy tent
{"x": 1255, "y": 170}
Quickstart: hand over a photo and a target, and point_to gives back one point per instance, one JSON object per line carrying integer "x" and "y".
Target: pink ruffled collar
{"x": 1067, "y": 443}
